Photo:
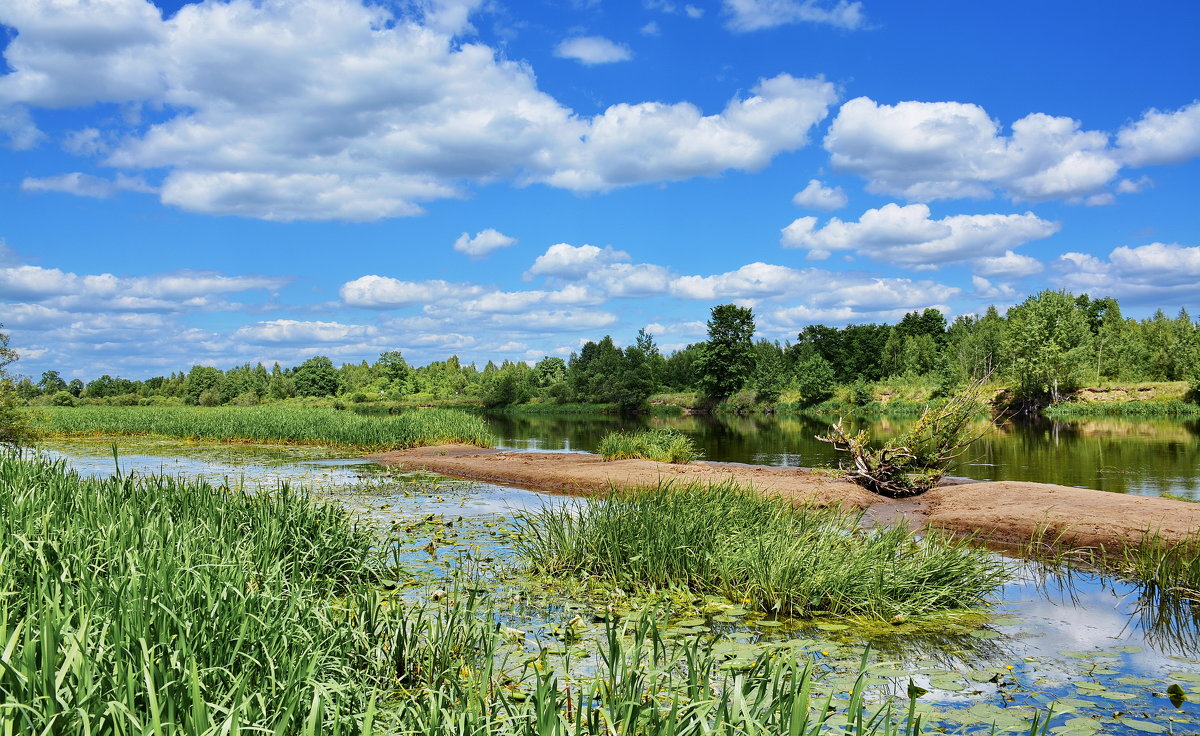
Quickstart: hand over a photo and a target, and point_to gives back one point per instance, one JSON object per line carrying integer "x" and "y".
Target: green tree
{"x": 202, "y": 378}
{"x": 14, "y": 422}
{"x": 1048, "y": 345}
{"x": 316, "y": 377}
{"x": 52, "y": 382}
{"x": 393, "y": 367}
{"x": 508, "y": 385}
{"x": 550, "y": 371}
{"x": 727, "y": 358}
{"x": 769, "y": 377}
{"x": 814, "y": 380}
{"x": 655, "y": 362}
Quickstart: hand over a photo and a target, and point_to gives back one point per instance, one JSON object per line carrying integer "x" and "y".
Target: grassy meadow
{"x": 272, "y": 423}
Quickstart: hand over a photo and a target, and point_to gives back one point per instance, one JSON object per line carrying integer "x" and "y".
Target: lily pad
{"x": 949, "y": 684}
{"x": 1144, "y": 726}
{"x": 832, "y": 627}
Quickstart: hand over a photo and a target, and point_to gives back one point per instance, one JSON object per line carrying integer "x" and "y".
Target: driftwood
{"x": 920, "y": 458}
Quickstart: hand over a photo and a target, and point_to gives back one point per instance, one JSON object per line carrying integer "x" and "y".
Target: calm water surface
{"x": 1142, "y": 456}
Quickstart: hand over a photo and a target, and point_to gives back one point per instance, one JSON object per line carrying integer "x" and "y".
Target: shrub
{"x": 246, "y": 398}
{"x": 62, "y": 398}
{"x": 210, "y": 397}
{"x": 917, "y": 460}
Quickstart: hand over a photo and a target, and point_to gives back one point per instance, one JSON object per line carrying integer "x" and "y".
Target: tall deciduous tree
{"x": 727, "y": 359}
{"x": 1049, "y": 346}
{"x": 316, "y": 377}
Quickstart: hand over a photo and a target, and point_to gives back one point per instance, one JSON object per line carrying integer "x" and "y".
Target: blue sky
{"x": 221, "y": 182}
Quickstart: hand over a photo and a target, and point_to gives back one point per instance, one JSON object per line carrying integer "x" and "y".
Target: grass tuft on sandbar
{"x": 661, "y": 445}
{"x": 759, "y": 550}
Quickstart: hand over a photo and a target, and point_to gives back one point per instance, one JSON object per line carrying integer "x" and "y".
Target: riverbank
{"x": 1004, "y": 512}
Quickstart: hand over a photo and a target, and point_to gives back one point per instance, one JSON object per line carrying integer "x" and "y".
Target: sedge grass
{"x": 274, "y": 424}
{"x": 661, "y": 445}
{"x": 761, "y": 550}
{"x": 1164, "y": 568}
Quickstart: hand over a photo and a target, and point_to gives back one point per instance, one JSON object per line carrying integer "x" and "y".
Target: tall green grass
{"x": 662, "y": 445}
{"x": 1130, "y": 407}
{"x": 154, "y": 605}
{"x": 1164, "y": 567}
{"x": 275, "y": 423}
{"x": 750, "y": 547}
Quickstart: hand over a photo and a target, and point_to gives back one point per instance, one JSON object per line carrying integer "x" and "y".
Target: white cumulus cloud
{"x": 654, "y": 141}
{"x": 1157, "y": 272}
{"x": 566, "y": 261}
{"x": 817, "y": 196}
{"x": 298, "y": 332}
{"x": 1162, "y": 137}
{"x": 484, "y": 242}
{"x": 937, "y": 150}
{"x": 908, "y": 236}
{"x": 592, "y": 50}
{"x": 384, "y": 292}
{"x": 753, "y": 15}
{"x": 86, "y": 185}
{"x": 340, "y": 110}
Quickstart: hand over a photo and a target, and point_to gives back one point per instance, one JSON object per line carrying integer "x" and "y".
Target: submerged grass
{"x": 152, "y": 605}
{"x": 760, "y": 550}
{"x": 275, "y": 424}
{"x": 662, "y": 445}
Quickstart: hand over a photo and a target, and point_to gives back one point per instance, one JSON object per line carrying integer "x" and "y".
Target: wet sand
{"x": 1003, "y": 512}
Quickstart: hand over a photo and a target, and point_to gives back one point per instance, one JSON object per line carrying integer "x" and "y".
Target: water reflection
{"x": 1123, "y": 455}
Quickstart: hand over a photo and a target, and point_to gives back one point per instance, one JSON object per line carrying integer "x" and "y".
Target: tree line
{"x": 1043, "y": 349}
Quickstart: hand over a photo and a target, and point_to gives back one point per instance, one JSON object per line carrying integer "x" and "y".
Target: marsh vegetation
{"x": 759, "y": 550}
{"x": 275, "y": 423}
{"x": 661, "y": 445}
{"x": 146, "y": 604}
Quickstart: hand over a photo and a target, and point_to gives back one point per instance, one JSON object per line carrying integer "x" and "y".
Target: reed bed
{"x": 275, "y": 424}
{"x": 155, "y": 605}
{"x": 760, "y": 550}
{"x": 661, "y": 445}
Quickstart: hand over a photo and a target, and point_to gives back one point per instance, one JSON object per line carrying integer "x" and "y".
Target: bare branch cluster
{"x": 918, "y": 460}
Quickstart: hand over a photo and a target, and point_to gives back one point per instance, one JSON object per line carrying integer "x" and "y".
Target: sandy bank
{"x": 1004, "y": 512}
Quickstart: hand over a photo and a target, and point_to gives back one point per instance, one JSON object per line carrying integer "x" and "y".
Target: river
{"x": 1123, "y": 455}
